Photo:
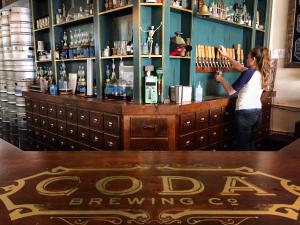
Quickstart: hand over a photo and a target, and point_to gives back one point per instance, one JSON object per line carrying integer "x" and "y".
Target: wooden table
{"x": 95, "y": 188}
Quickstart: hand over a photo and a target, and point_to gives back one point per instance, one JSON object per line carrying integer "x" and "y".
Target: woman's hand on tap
{"x": 223, "y": 51}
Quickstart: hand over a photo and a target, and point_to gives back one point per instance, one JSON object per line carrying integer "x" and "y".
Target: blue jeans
{"x": 247, "y": 122}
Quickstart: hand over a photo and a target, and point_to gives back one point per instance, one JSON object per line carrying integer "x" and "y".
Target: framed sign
{"x": 292, "y": 58}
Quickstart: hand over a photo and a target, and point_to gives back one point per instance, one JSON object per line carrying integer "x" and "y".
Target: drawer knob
{"x": 83, "y": 135}
{"x": 226, "y": 113}
{"x": 226, "y": 130}
{"x": 110, "y": 124}
{"x": 187, "y": 142}
{"x": 44, "y": 122}
{"x": 96, "y": 139}
{"x": 62, "y": 143}
{"x": 52, "y": 139}
{"x": 215, "y": 116}
{"x": 35, "y": 120}
{"x": 42, "y": 107}
{"x": 71, "y": 131}
{"x": 61, "y": 128}
{"x": 51, "y": 125}
{"x": 95, "y": 120}
{"x": 72, "y": 147}
{"x": 70, "y": 114}
{"x": 202, "y": 118}
{"x": 34, "y": 106}
{"x": 82, "y": 117}
{"x": 149, "y": 127}
{"x": 188, "y": 123}
{"x": 201, "y": 138}
{"x": 110, "y": 143}
{"x": 50, "y": 110}
{"x": 44, "y": 136}
{"x": 60, "y": 112}
{"x": 214, "y": 133}
{"x": 29, "y": 118}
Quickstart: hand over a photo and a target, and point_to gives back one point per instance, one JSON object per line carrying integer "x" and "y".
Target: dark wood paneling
{"x": 149, "y": 127}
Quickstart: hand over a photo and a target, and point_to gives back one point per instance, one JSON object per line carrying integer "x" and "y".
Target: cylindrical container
{"x": 11, "y": 98}
{"x": 3, "y": 96}
{"x": 19, "y": 15}
{"x": 21, "y": 111}
{"x": 20, "y": 76}
{"x": 3, "y": 86}
{"x": 20, "y": 28}
{"x": 20, "y": 101}
{"x": 20, "y": 38}
{"x": 22, "y": 86}
{"x": 23, "y": 65}
{"x": 11, "y": 87}
{"x": 5, "y": 17}
{"x": 22, "y": 52}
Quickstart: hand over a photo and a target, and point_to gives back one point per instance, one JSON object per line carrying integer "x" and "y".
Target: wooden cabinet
{"x": 80, "y": 124}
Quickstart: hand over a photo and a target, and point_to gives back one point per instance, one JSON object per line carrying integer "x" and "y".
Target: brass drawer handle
{"x": 42, "y": 107}
{"x": 44, "y": 136}
{"x": 50, "y": 110}
{"x": 202, "y": 118}
{"x": 44, "y": 122}
{"x": 96, "y": 139}
{"x": 95, "y": 120}
{"x": 187, "y": 142}
{"x": 29, "y": 118}
{"x": 60, "y": 112}
{"x": 214, "y": 133}
{"x": 36, "y": 120}
{"x": 110, "y": 143}
{"x": 62, "y": 143}
{"x": 82, "y": 135}
{"x": 149, "y": 127}
{"x": 51, "y": 125}
{"x": 52, "y": 139}
{"x": 216, "y": 116}
{"x": 34, "y": 106}
{"x": 71, "y": 131}
{"x": 70, "y": 114}
{"x": 110, "y": 124}
{"x": 226, "y": 113}
{"x": 72, "y": 146}
{"x": 82, "y": 117}
{"x": 61, "y": 128}
{"x": 226, "y": 130}
{"x": 201, "y": 138}
{"x": 188, "y": 123}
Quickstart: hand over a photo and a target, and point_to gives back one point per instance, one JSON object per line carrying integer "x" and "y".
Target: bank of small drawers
{"x": 65, "y": 127}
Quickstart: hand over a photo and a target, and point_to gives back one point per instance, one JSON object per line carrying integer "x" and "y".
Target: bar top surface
{"x": 92, "y": 188}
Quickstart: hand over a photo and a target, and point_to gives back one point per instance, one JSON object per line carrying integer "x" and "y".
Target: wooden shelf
{"x": 117, "y": 57}
{"x": 180, "y": 57}
{"x": 41, "y": 29}
{"x": 261, "y": 30}
{"x": 43, "y": 61}
{"x": 213, "y": 70}
{"x": 216, "y": 19}
{"x": 74, "y": 21}
{"x": 151, "y": 4}
{"x": 151, "y": 56}
{"x": 116, "y": 9}
{"x": 76, "y": 59}
{"x": 181, "y": 9}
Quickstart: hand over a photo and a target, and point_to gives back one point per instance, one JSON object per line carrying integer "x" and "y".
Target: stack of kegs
{"x": 23, "y": 64}
{"x": 18, "y": 62}
{"x": 5, "y": 73}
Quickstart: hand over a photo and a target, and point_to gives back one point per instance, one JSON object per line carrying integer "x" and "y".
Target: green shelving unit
{"x": 124, "y": 23}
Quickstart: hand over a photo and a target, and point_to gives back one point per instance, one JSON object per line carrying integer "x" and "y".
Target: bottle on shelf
{"x": 156, "y": 49}
{"x": 199, "y": 93}
{"x": 159, "y": 73}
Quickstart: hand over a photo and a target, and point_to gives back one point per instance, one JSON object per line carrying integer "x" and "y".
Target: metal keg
{"x": 21, "y": 38}
{"x": 22, "y": 52}
{"x": 3, "y": 88}
{"x": 22, "y": 86}
{"x": 7, "y": 53}
{"x": 23, "y": 65}
{"x": 11, "y": 99}
{"x": 27, "y": 75}
{"x": 20, "y": 28}
{"x": 5, "y": 18}
{"x": 11, "y": 87}
{"x": 19, "y": 15}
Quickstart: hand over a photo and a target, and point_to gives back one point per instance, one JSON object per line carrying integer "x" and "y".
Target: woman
{"x": 250, "y": 85}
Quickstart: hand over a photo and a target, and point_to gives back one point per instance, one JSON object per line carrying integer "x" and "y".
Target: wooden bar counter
{"x": 74, "y": 123}
{"x": 187, "y": 187}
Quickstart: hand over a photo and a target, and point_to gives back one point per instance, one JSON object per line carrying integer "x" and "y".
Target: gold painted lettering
{"x": 168, "y": 188}
{"x": 76, "y": 201}
{"x": 169, "y": 201}
{"x": 186, "y": 201}
{"x": 96, "y": 201}
{"x": 42, "y": 186}
{"x": 215, "y": 201}
{"x": 114, "y": 201}
{"x": 136, "y": 186}
{"x": 231, "y": 187}
{"x": 133, "y": 201}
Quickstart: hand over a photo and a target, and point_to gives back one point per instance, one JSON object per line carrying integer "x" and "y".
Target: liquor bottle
{"x": 159, "y": 72}
{"x": 57, "y": 51}
{"x": 82, "y": 88}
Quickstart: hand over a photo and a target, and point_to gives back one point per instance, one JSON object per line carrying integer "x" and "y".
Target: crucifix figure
{"x": 151, "y": 32}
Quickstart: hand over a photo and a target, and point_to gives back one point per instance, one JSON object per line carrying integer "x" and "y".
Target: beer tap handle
{"x": 242, "y": 56}
{"x": 205, "y": 55}
{"x": 197, "y": 56}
